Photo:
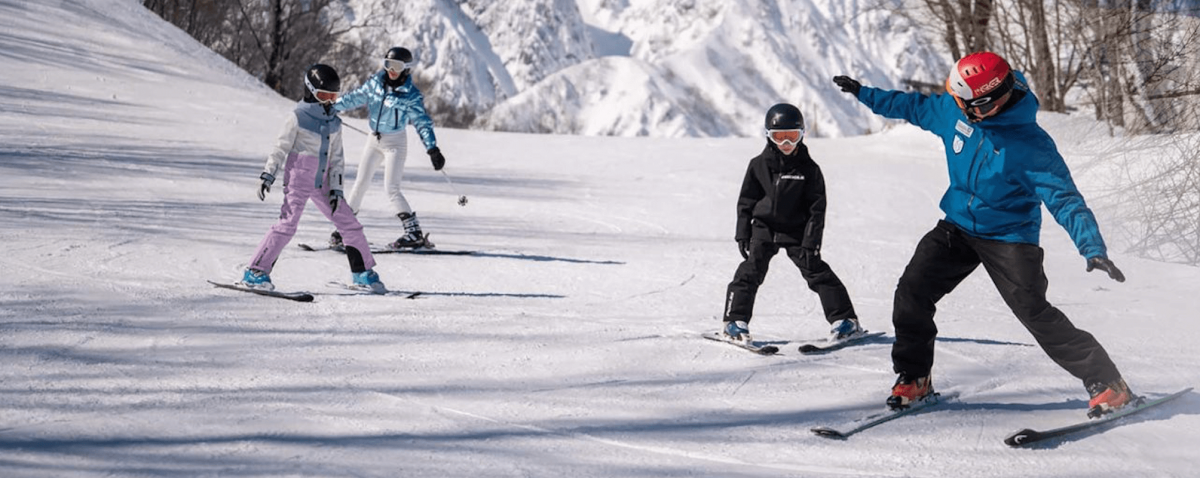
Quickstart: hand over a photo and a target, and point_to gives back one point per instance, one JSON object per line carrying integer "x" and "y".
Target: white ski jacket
{"x": 311, "y": 132}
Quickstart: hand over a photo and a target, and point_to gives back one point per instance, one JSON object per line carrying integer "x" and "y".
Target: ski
{"x": 882, "y": 417}
{"x": 388, "y": 250}
{"x": 296, "y": 296}
{"x": 752, "y": 346}
{"x": 362, "y": 290}
{"x": 1028, "y": 436}
{"x": 423, "y": 250}
{"x": 826, "y": 346}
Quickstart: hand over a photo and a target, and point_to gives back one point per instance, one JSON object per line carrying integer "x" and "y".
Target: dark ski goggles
{"x": 985, "y": 105}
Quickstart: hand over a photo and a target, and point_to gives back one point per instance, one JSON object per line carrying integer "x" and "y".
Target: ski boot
{"x": 368, "y": 280}
{"x": 256, "y": 279}
{"x": 909, "y": 389}
{"x": 335, "y": 240}
{"x": 844, "y": 329}
{"x": 737, "y": 331}
{"x": 412, "y": 238}
{"x": 1108, "y": 397}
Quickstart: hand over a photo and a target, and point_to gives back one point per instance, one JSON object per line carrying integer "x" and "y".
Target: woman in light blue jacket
{"x": 393, "y": 102}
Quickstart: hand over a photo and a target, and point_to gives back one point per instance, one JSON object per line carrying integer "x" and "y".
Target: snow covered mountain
{"x": 669, "y": 68}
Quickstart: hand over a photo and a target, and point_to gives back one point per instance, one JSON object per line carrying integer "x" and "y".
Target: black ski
{"x": 388, "y": 250}
{"x": 1028, "y": 436}
{"x": 755, "y": 347}
{"x": 881, "y": 417}
{"x": 829, "y": 346}
{"x": 296, "y": 296}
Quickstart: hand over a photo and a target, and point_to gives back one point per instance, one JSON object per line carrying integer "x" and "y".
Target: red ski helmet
{"x": 979, "y": 82}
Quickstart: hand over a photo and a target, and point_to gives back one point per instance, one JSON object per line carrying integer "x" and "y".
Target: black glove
{"x": 435, "y": 155}
{"x": 744, "y": 248}
{"x": 848, "y": 84}
{"x": 334, "y": 197}
{"x": 1106, "y": 265}
{"x": 265, "y": 187}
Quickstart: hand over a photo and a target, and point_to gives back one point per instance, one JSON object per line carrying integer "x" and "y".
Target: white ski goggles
{"x": 785, "y": 136}
{"x": 323, "y": 96}
{"x": 397, "y": 66}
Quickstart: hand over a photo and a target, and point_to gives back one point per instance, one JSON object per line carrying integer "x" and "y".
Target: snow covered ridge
{"x": 666, "y": 68}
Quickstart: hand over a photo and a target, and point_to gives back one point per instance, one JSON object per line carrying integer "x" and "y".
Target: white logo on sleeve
{"x": 958, "y": 144}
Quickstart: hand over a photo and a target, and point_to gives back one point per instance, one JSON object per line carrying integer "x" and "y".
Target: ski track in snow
{"x": 657, "y": 450}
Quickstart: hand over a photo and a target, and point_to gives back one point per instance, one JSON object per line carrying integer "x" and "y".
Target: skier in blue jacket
{"x": 1003, "y": 167}
{"x": 393, "y": 102}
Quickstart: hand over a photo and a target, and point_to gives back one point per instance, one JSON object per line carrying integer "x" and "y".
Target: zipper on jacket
{"x": 973, "y": 183}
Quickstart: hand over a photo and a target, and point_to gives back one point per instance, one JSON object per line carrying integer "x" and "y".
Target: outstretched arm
{"x": 920, "y": 109}
{"x": 1051, "y": 180}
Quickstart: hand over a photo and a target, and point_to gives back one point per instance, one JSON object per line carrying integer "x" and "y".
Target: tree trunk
{"x": 977, "y": 16}
{"x": 1044, "y": 68}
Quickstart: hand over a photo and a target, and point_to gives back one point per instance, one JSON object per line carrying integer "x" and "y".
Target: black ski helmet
{"x": 401, "y": 54}
{"x": 784, "y": 116}
{"x": 320, "y": 77}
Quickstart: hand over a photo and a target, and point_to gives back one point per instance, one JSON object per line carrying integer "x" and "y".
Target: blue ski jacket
{"x": 1002, "y": 169}
{"x": 391, "y": 109}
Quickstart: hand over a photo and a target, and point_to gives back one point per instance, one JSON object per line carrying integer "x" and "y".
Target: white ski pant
{"x": 391, "y": 150}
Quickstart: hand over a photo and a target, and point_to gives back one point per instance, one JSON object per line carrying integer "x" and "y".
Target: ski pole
{"x": 462, "y": 200}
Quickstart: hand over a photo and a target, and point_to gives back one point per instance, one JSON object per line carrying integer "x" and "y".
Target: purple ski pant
{"x": 299, "y": 186}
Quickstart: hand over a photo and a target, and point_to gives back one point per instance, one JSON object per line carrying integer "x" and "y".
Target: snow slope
{"x": 128, "y": 165}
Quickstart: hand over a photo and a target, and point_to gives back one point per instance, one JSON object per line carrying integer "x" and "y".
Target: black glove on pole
{"x": 435, "y": 156}
{"x": 265, "y": 187}
{"x": 1106, "y": 265}
{"x": 334, "y": 197}
{"x": 848, "y": 84}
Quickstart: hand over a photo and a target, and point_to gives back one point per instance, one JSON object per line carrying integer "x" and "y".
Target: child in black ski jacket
{"x": 782, "y": 206}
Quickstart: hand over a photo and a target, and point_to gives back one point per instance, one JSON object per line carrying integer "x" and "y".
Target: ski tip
{"x": 828, "y": 433}
{"x": 305, "y": 247}
{"x": 1021, "y": 438}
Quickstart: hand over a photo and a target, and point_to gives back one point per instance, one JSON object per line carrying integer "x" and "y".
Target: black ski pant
{"x": 740, "y": 295}
{"x": 946, "y": 256}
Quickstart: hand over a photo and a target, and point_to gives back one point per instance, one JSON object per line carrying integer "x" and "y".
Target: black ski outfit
{"x": 782, "y": 206}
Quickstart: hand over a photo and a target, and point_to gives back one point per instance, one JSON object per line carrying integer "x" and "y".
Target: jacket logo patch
{"x": 792, "y": 176}
{"x": 958, "y": 144}
{"x": 963, "y": 128}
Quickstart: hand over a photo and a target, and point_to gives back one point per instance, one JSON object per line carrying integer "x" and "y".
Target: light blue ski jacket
{"x": 391, "y": 109}
{"x": 1002, "y": 169}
